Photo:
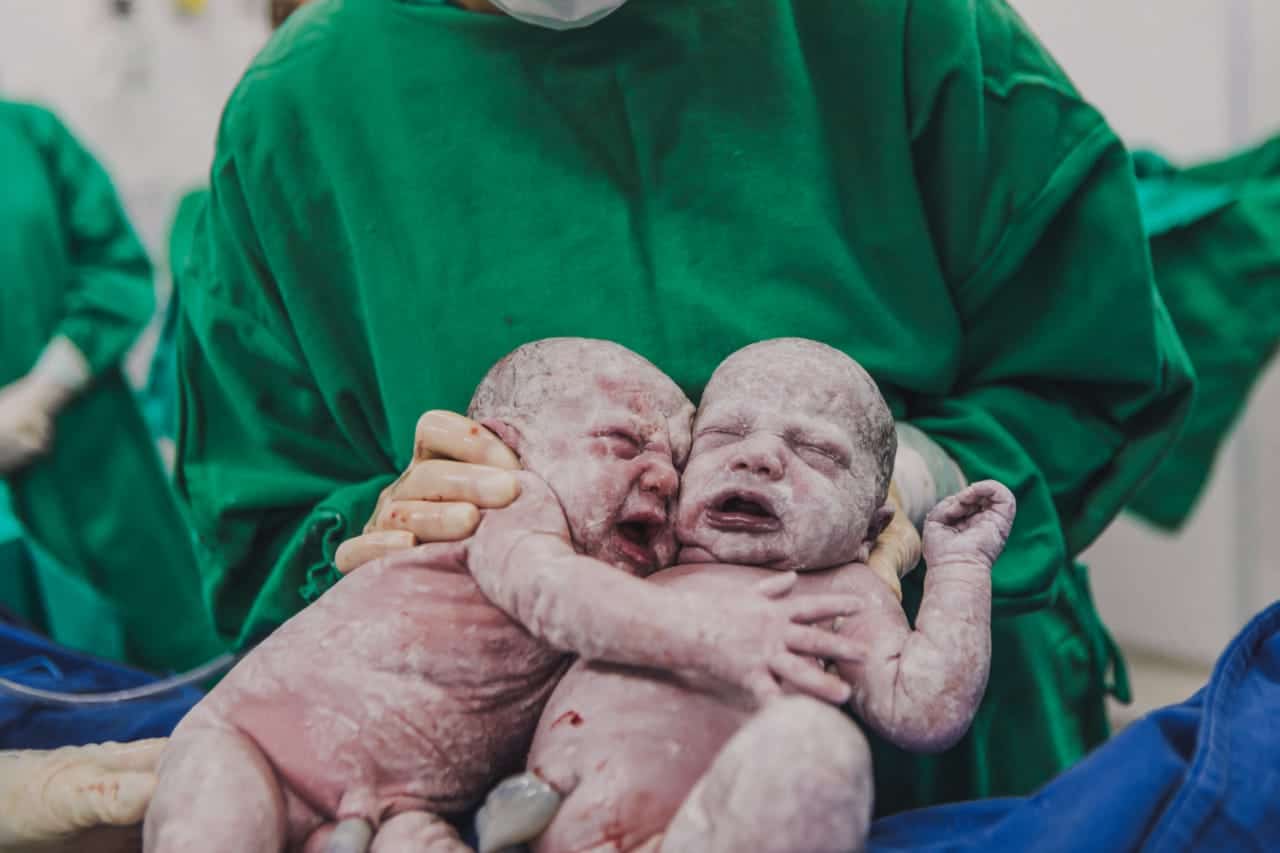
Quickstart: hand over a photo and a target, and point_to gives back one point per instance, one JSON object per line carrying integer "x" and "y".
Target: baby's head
{"x": 606, "y": 430}
{"x": 793, "y": 449}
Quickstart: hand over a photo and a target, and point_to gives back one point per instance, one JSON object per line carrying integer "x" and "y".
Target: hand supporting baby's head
{"x": 606, "y": 430}
{"x": 792, "y": 453}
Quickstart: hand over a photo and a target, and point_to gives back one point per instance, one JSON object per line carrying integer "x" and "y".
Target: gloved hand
{"x": 76, "y": 798}
{"x": 897, "y": 549}
{"x": 923, "y": 475}
{"x": 458, "y": 468}
{"x": 26, "y": 426}
{"x": 29, "y": 405}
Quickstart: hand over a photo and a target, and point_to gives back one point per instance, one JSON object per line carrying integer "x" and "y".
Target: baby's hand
{"x": 971, "y": 526}
{"x": 768, "y": 640}
{"x": 535, "y": 511}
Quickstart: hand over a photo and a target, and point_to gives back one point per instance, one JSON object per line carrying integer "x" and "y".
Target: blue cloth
{"x": 1202, "y": 775}
{"x": 34, "y": 661}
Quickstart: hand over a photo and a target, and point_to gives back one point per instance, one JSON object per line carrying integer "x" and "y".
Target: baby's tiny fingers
{"x": 819, "y": 608}
{"x": 805, "y": 676}
{"x": 824, "y": 644}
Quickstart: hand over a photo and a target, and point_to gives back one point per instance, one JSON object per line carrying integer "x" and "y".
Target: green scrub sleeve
{"x": 271, "y": 483}
{"x": 1215, "y": 245}
{"x": 1071, "y": 381}
{"x": 110, "y": 296}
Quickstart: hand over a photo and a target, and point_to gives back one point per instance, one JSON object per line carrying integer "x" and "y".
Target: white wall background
{"x": 143, "y": 92}
{"x": 1193, "y": 78}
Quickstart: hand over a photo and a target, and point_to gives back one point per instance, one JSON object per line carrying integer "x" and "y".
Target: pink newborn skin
{"x": 413, "y": 684}
{"x": 791, "y": 457}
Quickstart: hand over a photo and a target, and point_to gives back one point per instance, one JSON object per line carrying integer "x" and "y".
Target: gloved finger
{"x": 445, "y": 480}
{"x": 452, "y": 436}
{"x": 384, "y": 498}
{"x": 884, "y": 561}
{"x": 821, "y": 643}
{"x": 318, "y": 840}
{"x": 777, "y": 586}
{"x": 86, "y": 796}
{"x": 819, "y": 608}
{"x": 432, "y": 521}
{"x": 896, "y": 552}
{"x": 99, "y": 839}
{"x": 351, "y": 835}
{"x": 898, "y": 545}
{"x": 367, "y": 547}
{"x": 133, "y": 755}
{"x": 36, "y": 433}
{"x": 27, "y": 447}
{"x": 808, "y": 678}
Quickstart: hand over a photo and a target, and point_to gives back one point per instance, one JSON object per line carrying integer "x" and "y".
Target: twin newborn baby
{"x": 699, "y": 714}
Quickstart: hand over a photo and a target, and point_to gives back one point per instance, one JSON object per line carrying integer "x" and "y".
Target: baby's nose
{"x": 661, "y": 479}
{"x": 761, "y": 456}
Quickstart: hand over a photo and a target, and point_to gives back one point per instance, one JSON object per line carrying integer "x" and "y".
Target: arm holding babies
{"x": 920, "y": 688}
{"x": 523, "y": 561}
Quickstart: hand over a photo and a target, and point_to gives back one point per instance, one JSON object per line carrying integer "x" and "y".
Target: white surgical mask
{"x": 558, "y": 14}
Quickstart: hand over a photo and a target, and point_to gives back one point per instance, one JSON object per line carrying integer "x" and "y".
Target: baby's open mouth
{"x": 638, "y": 532}
{"x": 743, "y": 510}
{"x": 638, "y": 536}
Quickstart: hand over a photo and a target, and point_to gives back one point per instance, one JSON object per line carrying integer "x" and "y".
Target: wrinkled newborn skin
{"x": 403, "y": 691}
{"x": 792, "y": 451}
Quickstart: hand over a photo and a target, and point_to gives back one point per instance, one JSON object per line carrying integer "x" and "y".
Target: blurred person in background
{"x": 113, "y": 568}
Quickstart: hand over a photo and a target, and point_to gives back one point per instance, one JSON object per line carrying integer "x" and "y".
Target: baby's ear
{"x": 879, "y": 521}
{"x": 505, "y": 430}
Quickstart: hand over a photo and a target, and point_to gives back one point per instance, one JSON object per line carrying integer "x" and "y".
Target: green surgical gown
{"x": 116, "y": 573}
{"x": 404, "y": 191}
{"x": 160, "y": 396}
{"x": 1215, "y": 246}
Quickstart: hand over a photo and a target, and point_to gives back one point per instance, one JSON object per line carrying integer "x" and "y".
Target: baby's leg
{"x": 215, "y": 792}
{"x": 795, "y": 779}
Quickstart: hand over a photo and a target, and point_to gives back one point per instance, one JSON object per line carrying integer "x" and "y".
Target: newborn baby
{"x": 792, "y": 453}
{"x": 415, "y": 683}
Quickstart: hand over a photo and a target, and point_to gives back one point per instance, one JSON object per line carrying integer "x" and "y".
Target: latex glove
{"x": 897, "y": 549}
{"x": 458, "y": 468}
{"x": 76, "y": 798}
{"x": 29, "y": 405}
{"x": 26, "y": 426}
{"x": 923, "y": 476}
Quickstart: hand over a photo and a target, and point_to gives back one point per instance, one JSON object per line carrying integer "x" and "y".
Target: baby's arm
{"x": 522, "y": 560}
{"x": 920, "y": 689}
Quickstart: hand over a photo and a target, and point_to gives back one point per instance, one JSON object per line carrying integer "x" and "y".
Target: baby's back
{"x": 402, "y": 683}
{"x": 628, "y": 744}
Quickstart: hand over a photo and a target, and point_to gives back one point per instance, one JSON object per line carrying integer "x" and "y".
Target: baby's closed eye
{"x": 713, "y": 437}
{"x": 818, "y": 451}
{"x": 621, "y": 442}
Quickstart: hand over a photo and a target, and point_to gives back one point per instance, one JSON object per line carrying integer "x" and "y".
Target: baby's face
{"x": 777, "y": 475}
{"x": 611, "y": 455}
